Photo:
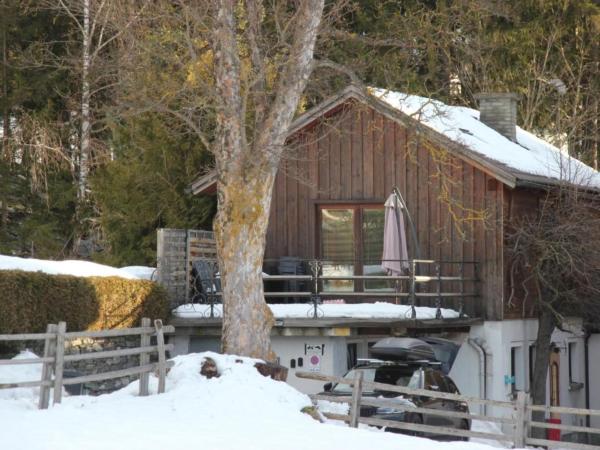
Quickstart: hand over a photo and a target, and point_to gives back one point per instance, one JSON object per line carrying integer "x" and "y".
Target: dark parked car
{"x": 412, "y": 374}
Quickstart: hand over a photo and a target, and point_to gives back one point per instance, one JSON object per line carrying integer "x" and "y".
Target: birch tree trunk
{"x": 84, "y": 151}
{"x": 246, "y": 170}
{"x": 4, "y": 155}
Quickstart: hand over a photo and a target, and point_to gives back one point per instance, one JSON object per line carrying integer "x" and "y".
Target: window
{"x": 531, "y": 364}
{"x": 517, "y": 368}
{"x": 351, "y": 243}
{"x": 451, "y": 386}
{"x": 572, "y": 358}
{"x": 434, "y": 381}
{"x": 352, "y": 359}
{"x": 397, "y": 376}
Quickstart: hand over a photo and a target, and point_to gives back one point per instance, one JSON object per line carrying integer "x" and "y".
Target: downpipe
{"x": 476, "y": 344}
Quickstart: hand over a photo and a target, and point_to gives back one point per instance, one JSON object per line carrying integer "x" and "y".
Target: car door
{"x": 435, "y": 382}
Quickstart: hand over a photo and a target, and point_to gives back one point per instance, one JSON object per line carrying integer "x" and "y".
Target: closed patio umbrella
{"x": 395, "y": 253}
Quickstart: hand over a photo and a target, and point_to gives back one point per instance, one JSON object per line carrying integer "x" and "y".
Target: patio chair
{"x": 205, "y": 282}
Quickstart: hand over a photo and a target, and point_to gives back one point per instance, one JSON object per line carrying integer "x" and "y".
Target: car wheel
{"x": 464, "y": 425}
{"x": 416, "y": 419}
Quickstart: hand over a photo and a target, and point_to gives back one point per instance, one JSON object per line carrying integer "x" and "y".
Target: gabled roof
{"x": 528, "y": 161}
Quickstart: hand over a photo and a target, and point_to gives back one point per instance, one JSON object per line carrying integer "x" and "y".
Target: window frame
{"x": 357, "y": 209}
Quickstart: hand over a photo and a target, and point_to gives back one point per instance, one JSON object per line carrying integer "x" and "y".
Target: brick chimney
{"x": 499, "y": 111}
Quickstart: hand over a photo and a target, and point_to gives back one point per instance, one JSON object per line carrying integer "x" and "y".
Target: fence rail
{"x": 54, "y": 358}
{"x": 520, "y": 418}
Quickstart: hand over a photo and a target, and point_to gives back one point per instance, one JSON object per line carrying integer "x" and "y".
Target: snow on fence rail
{"x": 520, "y": 419}
{"x": 54, "y": 357}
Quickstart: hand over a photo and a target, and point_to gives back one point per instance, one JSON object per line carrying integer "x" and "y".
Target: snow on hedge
{"x": 142, "y": 272}
{"x": 238, "y": 410}
{"x": 73, "y": 267}
{"x": 378, "y": 310}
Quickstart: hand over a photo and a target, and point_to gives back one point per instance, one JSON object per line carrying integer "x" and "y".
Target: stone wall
{"x": 90, "y": 366}
{"x": 93, "y": 366}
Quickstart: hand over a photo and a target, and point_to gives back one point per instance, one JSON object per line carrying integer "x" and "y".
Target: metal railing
{"x": 434, "y": 281}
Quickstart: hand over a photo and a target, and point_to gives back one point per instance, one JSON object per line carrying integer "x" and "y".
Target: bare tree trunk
{"x": 540, "y": 369}
{"x": 240, "y": 228}
{"x": 5, "y": 110}
{"x": 4, "y": 155}
{"x": 84, "y": 153}
{"x": 247, "y": 170}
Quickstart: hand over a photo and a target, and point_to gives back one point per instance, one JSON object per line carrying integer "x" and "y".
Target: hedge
{"x": 31, "y": 300}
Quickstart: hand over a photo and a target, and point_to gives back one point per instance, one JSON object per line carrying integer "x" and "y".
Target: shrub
{"x": 31, "y": 300}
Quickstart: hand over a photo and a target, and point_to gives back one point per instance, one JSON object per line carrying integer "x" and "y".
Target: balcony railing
{"x": 425, "y": 281}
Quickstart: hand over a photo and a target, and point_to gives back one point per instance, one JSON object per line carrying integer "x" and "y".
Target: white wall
{"x": 499, "y": 337}
{"x": 467, "y": 372}
{"x": 333, "y": 359}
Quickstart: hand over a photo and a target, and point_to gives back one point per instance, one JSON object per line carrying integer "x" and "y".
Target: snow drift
{"x": 240, "y": 409}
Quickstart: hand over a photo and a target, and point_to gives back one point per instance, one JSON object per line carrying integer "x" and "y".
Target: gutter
{"x": 475, "y": 343}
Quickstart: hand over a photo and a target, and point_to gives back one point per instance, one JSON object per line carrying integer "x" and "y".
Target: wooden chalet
{"x": 345, "y": 157}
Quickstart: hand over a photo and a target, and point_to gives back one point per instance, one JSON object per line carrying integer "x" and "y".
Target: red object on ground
{"x": 553, "y": 433}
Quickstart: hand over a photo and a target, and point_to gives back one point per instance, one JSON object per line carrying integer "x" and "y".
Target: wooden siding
{"x": 519, "y": 294}
{"x": 359, "y": 155}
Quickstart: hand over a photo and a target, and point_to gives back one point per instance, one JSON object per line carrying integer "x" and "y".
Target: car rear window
{"x": 397, "y": 376}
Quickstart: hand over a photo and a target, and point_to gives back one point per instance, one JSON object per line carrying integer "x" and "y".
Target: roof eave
{"x": 546, "y": 183}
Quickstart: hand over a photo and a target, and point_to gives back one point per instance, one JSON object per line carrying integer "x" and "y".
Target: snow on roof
{"x": 379, "y": 310}
{"x": 71, "y": 267}
{"x": 239, "y": 409}
{"x": 530, "y": 155}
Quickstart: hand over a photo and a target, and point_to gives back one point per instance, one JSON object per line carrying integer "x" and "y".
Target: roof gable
{"x": 528, "y": 161}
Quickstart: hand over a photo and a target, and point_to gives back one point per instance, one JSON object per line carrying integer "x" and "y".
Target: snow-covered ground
{"x": 74, "y": 267}
{"x": 238, "y": 410}
{"x": 379, "y": 310}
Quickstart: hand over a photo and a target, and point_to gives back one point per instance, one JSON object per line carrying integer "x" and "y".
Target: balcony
{"x": 441, "y": 285}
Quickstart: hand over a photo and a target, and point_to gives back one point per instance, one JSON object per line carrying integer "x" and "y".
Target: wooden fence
{"x": 520, "y": 420}
{"x": 54, "y": 358}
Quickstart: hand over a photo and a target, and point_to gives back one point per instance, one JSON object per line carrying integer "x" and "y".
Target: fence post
{"x": 162, "y": 364}
{"x": 413, "y": 289}
{"x": 438, "y": 301}
{"x": 356, "y": 395}
{"x": 59, "y": 362}
{"x": 144, "y": 357}
{"x": 520, "y": 419}
{"x": 49, "y": 346}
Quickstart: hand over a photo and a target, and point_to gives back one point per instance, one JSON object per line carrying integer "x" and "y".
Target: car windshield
{"x": 394, "y": 375}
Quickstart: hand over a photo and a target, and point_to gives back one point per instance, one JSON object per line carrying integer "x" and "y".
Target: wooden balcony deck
{"x": 436, "y": 284}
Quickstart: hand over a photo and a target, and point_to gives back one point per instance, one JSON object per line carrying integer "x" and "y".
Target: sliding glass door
{"x": 351, "y": 243}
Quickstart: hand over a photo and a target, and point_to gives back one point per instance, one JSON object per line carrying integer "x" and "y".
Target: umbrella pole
{"x": 397, "y": 216}
{"x": 413, "y": 230}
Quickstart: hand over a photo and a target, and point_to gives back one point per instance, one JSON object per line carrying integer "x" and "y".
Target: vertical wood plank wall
{"x": 519, "y": 301}
{"x": 359, "y": 155}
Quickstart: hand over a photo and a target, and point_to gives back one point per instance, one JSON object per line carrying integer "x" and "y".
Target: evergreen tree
{"x": 35, "y": 174}
{"x": 144, "y": 188}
